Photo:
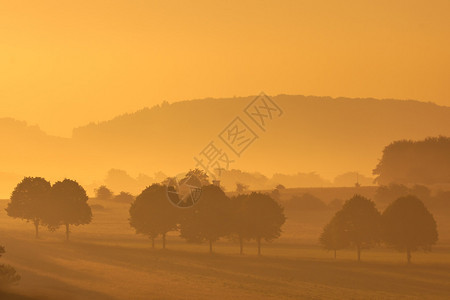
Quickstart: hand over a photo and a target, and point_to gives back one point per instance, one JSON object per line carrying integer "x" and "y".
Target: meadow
{"x": 107, "y": 260}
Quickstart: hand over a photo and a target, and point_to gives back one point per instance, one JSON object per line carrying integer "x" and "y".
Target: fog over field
{"x": 213, "y": 149}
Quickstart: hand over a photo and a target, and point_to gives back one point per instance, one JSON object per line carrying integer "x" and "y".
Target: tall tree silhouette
{"x": 358, "y": 222}
{"x": 209, "y": 219}
{"x": 152, "y": 214}
{"x": 68, "y": 206}
{"x": 29, "y": 200}
{"x": 263, "y": 218}
{"x": 408, "y": 226}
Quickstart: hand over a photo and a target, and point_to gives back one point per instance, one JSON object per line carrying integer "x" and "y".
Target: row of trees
{"x": 255, "y": 216}
{"x": 406, "y": 224}
{"x": 62, "y": 204}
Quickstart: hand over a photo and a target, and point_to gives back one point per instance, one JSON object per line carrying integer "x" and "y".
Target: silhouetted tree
{"x": 152, "y": 214}
{"x": 408, "y": 226}
{"x": 103, "y": 193}
{"x": 332, "y": 238}
{"x": 240, "y": 187}
{"x": 280, "y": 187}
{"x": 209, "y": 219}
{"x": 124, "y": 197}
{"x": 68, "y": 206}
{"x": 29, "y": 200}
{"x": 359, "y": 222}
{"x": 8, "y": 274}
{"x": 200, "y": 174}
{"x": 263, "y": 218}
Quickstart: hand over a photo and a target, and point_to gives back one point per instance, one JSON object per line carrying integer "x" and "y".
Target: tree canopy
{"x": 103, "y": 193}
{"x": 29, "y": 200}
{"x": 260, "y": 218}
{"x": 408, "y": 226}
{"x": 332, "y": 238}
{"x": 151, "y": 214}
{"x": 358, "y": 223}
{"x": 209, "y": 219}
{"x": 68, "y": 205}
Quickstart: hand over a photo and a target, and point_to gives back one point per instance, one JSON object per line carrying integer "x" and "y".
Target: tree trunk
{"x": 259, "y": 245}
{"x": 358, "y": 247}
{"x": 36, "y": 226}
{"x": 210, "y": 246}
{"x": 408, "y": 255}
{"x": 67, "y": 232}
{"x": 241, "y": 245}
{"x": 334, "y": 253}
{"x": 153, "y": 242}
{"x": 164, "y": 240}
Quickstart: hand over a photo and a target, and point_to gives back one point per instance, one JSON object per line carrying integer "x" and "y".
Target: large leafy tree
{"x": 68, "y": 206}
{"x": 408, "y": 226}
{"x": 209, "y": 219}
{"x": 152, "y": 214}
{"x": 29, "y": 200}
{"x": 263, "y": 218}
{"x": 358, "y": 222}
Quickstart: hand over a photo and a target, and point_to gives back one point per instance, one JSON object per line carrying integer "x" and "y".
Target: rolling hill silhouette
{"x": 321, "y": 134}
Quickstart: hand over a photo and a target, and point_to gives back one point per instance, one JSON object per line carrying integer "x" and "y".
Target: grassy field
{"x": 106, "y": 260}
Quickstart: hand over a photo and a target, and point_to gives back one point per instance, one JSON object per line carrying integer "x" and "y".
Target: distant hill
{"x": 315, "y": 134}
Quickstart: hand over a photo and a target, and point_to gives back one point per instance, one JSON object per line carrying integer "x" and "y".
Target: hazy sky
{"x": 66, "y": 63}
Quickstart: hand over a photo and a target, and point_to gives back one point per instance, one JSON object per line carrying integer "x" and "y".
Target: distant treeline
{"x": 415, "y": 162}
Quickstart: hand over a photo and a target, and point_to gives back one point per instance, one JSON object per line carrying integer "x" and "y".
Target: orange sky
{"x": 66, "y": 63}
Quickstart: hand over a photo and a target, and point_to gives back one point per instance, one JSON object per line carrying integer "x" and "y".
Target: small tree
{"x": 333, "y": 239}
{"x": 408, "y": 226}
{"x": 280, "y": 187}
{"x": 68, "y": 204}
{"x": 124, "y": 197}
{"x": 29, "y": 200}
{"x": 8, "y": 274}
{"x": 263, "y": 218}
{"x": 103, "y": 193}
{"x": 209, "y": 219}
{"x": 152, "y": 214}
{"x": 359, "y": 222}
